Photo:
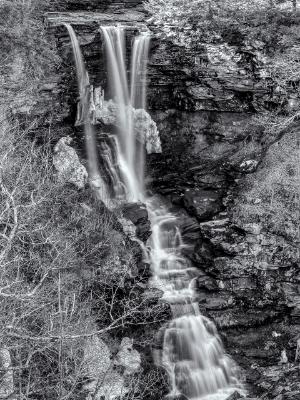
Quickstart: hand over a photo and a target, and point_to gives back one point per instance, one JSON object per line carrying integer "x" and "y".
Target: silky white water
{"x": 192, "y": 352}
{"x": 90, "y": 140}
{"x": 130, "y": 150}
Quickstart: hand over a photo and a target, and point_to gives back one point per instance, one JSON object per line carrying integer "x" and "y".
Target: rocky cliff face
{"x": 94, "y": 5}
{"x": 217, "y": 166}
{"x": 220, "y": 168}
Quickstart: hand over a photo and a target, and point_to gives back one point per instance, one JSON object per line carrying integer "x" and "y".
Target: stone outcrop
{"x": 104, "y": 381}
{"x": 66, "y": 162}
{"x": 250, "y": 258}
{"x": 95, "y": 5}
{"x": 99, "y": 364}
{"x": 128, "y": 357}
{"x": 203, "y": 204}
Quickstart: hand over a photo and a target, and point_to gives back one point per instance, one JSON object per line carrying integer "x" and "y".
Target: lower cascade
{"x": 192, "y": 353}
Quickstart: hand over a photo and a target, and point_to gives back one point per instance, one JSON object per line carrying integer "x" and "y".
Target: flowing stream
{"x": 192, "y": 352}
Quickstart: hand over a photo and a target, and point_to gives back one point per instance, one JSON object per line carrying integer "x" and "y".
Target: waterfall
{"x": 131, "y": 154}
{"x": 193, "y": 353}
{"x": 138, "y": 93}
{"x": 90, "y": 140}
{"x": 139, "y": 71}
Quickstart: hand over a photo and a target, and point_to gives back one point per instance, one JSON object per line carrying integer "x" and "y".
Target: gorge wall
{"x": 217, "y": 167}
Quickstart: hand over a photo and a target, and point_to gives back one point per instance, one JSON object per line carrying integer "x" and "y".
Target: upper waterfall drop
{"x": 121, "y": 173}
{"x": 138, "y": 87}
{"x": 83, "y": 84}
{"x": 131, "y": 154}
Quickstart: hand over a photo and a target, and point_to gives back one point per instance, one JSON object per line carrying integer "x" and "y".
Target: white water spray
{"x": 90, "y": 140}
{"x": 131, "y": 154}
{"x": 192, "y": 353}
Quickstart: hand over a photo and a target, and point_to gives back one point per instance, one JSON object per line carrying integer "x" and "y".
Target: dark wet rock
{"x": 189, "y": 229}
{"x": 250, "y": 398}
{"x": 138, "y": 215}
{"x": 135, "y": 212}
{"x": 84, "y": 18}
{"x": 235, "y": 396}
{"x": 215, "y": 302}
{"x": 94, "y": 5}
{"x": 207, "y": 283}
{"x": 175, "y": 397}
{"x": 281, "y": 383}
{"x": 203, "y": 204}
{"x": 255, "y": 262}
{"x": 199, "y": 145}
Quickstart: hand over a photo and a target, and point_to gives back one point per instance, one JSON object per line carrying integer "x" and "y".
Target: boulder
{"x": 190, "y": 233}
{"x": 67, "y": 164}
{"x": 203, "y": 204}
{"x": 138, "y": 215}
{"x": 207, "y": 283}
{"x": 128, "y": 357}
{"x": 97, "y": 357}
{"x": 98, "y": 368}
{"x": 235, "y": 396}
{"x": 147, "y": 130}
